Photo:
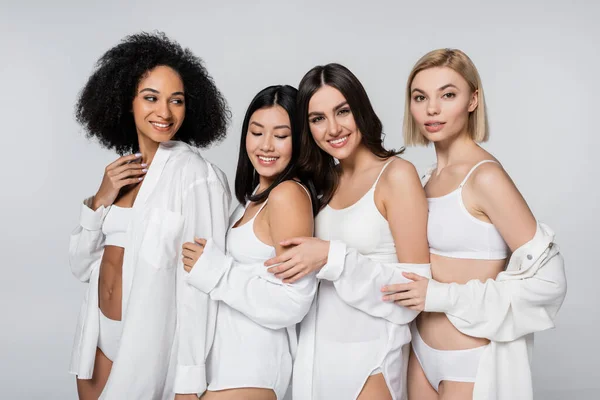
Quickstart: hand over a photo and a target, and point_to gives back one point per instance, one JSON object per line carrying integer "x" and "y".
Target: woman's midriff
{"x": 110, "y": 284}
{"x": 435, "y": 328}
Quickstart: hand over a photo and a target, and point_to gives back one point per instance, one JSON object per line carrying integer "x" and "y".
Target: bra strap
{"x": 473, "y": 169}
{"x": 383, "y": 169}
{"x": 305, "y": 189}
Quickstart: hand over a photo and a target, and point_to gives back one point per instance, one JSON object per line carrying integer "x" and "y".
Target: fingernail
{"x": 144, "y": 165}
{"x": 144, "y": 170}
{"x": 140, "y": 178}
{"x": 138, "y": 154}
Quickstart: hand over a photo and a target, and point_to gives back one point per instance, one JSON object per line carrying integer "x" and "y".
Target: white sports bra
{"x": 453, "y": 232}
{"x": 115, "y": 225}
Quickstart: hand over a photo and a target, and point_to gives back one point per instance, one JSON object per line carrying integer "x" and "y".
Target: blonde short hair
{"x": 461, "y": 63}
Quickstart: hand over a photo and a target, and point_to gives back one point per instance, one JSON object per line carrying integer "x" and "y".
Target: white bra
{"x": 115, "y": 225}
{"x": 243, "y": 244}
{"x": 453, "y": 232}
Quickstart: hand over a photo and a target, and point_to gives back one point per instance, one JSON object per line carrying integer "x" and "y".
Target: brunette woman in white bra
{"x": 371, "y": 228}
{"x": 477, "y": 217}
{"x": 255, "y": 340}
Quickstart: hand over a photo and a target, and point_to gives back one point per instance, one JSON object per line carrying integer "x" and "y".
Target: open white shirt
{"x": 522, "y": 300}
{"x": 168, "y": 326}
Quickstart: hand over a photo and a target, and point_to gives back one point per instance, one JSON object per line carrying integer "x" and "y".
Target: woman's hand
{"x": 309, "y": 254}
{"x": 124, "y": 171}
{"x": 411, "y": 295}
{"x": 192, "y": 252}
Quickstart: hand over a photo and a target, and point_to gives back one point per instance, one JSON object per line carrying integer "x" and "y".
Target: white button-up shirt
{"x": 522, "y": 300}
{"x": 168, "y": 326}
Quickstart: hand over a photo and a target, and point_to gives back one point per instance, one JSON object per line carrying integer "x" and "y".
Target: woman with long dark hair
{"x": 371, "y": 227}
{"x": 251, "y": 357}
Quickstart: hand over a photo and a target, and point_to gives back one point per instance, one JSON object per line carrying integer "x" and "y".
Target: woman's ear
{"x": 474, "y": 101}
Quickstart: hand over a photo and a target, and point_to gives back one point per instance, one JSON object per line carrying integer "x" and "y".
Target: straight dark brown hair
{"x": 322, "y": 165}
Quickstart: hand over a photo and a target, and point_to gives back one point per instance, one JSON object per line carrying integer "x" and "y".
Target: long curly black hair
{"x": 105, "y": 103}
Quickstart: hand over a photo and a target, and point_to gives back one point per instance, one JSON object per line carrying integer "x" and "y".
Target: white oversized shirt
{"x": 522, "y": 300}
{"x": 258, "y": 309}
{"x": 168, "y": 326}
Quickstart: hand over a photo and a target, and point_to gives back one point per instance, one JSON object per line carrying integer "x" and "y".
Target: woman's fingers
{"x": 284, "y": 266}
{"x": 397, "y": 287}
{"x": 193, "y": 255}
{"x": 123, "y": 160}
{"x": 282, "y": 258}
{"x": 296, "y": 277}
{"x": 409, "y": 294}
{"x": 288, "y": 273}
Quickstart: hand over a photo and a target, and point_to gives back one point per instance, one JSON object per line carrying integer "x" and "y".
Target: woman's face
{"x": 159, "y": 104}
{"x": 441, "y": 101}
{"x": 269, "y": 141}
{"x": 332, "y": 124}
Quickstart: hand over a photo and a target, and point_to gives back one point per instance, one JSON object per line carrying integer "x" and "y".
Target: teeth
{"x": 267, "y": 159}
{"x": 435, "y": 124}
{"x": 341, "y": 140}
{"x": 160, "y": 125}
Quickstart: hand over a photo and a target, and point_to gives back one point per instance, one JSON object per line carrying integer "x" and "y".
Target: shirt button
{"x": 529, "y": 256}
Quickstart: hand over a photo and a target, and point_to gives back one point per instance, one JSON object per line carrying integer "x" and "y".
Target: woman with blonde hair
{"x": 474, "y": 339}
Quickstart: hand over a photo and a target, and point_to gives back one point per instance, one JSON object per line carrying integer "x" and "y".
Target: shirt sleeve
{"x": 87, "y": 241}
{"x": 358, "y": 281}
{"x": 251, "y": 289}
{"x": 507, "y": 308}
{"x": 206, "y": 211}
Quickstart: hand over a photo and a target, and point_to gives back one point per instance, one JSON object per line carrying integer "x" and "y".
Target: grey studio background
{"x": 538, "y": 61}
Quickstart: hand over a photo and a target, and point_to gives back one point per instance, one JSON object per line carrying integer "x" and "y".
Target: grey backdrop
{"x": 539, "y": 64}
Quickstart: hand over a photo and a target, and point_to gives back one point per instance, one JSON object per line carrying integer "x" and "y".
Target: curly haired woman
{"x": 143, "y": 332}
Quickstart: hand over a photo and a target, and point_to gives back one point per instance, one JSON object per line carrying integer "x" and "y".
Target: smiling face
{"x": 269, "y": 141}
{"x": 159, "y": 104}
{"x": 332, "y": 123}
{"x": 441, "y": 102}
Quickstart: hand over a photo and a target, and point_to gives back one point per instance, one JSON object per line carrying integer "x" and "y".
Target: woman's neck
{"x": 362, "y": 158}
{"x": 454, "y": 150}
{"x": 148, "y": 148}
{"x": 264, "y": 183}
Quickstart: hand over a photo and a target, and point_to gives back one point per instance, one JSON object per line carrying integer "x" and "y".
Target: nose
{"x": 164, "y": 110}
{"x": 334, "y": 127}
{"x": 433, "y": 107}
{"x": 266, "y": 144}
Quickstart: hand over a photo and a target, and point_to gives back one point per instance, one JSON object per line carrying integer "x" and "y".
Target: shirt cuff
{"x": 190, "y": 379}
{"x": 438, "y": 297}
{"x": 209, "y": 268}
{"x": 92, "y": 220}
{"x": 336, "y": 258}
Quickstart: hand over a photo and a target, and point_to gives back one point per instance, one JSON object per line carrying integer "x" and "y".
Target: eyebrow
{"x": 439, "y": 90}
{"x": 276, "y": 127}
{"x": 342, "y": 104}
{"x": 157, "y": 92}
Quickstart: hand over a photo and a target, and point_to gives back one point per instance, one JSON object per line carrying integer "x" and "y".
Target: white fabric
{"x": 115, "y": 226}
{"x": 522, "y": 300}
{"x": 349, "y": 331}
{"x": 256, "y": 325}
{"x": 109, "y": 336}
{"x": 168, "y": 327}
{"x": 453, "y": 232}
{"x": 449, "y": 365}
